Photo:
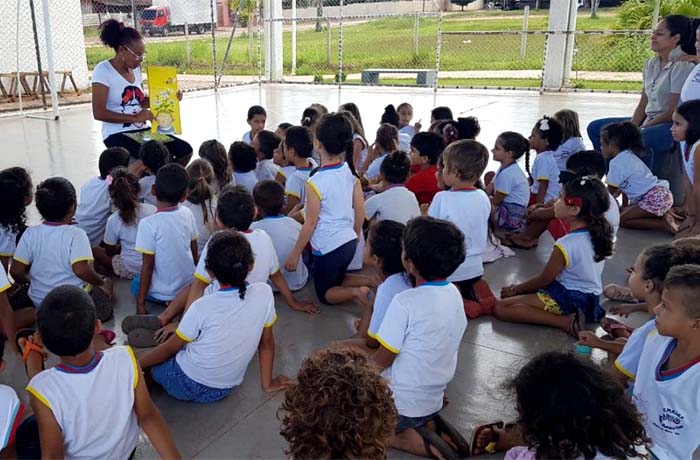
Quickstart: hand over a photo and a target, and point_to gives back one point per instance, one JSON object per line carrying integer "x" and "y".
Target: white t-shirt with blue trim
{"x": 512, "y": 182}
{"x": 545, "y": 168}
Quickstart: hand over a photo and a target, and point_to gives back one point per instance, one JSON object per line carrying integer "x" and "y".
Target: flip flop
{"x": 619, "y": 293}
{"x": 29, "y": 347}
{"x": 578, "y": 323}
{"x": 489, "y": 448}
{"x": 611, "y": 325}
{"x": 443, "y": 427}
{"x": 132, "y": 322}
{"x": 142, "y": 338}
{"x": 108, "y": 335}
{"x": 432, "y": 439}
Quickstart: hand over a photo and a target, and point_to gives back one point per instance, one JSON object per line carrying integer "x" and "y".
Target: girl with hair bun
{"x": 119, "y": 255}
{"x": 118, "y": 99}
{"x": 565, "y": 294}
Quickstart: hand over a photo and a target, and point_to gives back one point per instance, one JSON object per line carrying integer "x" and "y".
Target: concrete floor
{"x": 245, "y": 425}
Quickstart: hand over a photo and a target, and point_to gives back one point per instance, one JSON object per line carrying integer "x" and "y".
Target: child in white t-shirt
{"x": 395, "y": 202}
{"x": 359, "y": 143}
{"x": 243, "y": 162}
{"x": 167, "y": 242}
{"x": 334, "y": 211}
{"x": 265, "y": 143}
{"x": 420, "y": 337}
{"x": 572, "y": 141}
{"x": 647, "y": 200}
{"x": 387, "y": 141}
{"x": 509, "y": 189}
{"x": 469, "y": 209}
{"x": 119, "y": 252}
{"x": 203, "y": 361}
{"x": 256, "y": 120}
{"x": 285, "y": 168}
{"x": 215, "y": 153}
{"x": 405, "y": 111}
{"x": 201, "y": 200}
{"x": 283, "y": 231}
{"x": 297, "y": 148}
{"x": 154, "y": 156}
{"x": 17, "y": 193}
{"x": 667, "y": 373}
{"x": 94, "y": 207}
{"x": 56, "y": 252}
{"x": 566, "y": 293}
{"x": 68, "y": 398}
{"x": 545, "y": 139}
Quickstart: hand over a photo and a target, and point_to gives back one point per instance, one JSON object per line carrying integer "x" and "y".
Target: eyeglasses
{"x": 139, "y": 56}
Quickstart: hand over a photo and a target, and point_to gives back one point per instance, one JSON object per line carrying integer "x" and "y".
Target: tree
{"x": 461, "y": 3}
{"x": 637, "y": 14}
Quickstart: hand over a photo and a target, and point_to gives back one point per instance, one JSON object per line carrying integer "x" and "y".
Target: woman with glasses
{"x": 118, "y": 100}
{"x": 663, "y": 77}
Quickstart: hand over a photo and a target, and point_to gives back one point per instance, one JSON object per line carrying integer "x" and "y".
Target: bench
{"x": 33, "y": 89}
{"x": 424, "y": 77}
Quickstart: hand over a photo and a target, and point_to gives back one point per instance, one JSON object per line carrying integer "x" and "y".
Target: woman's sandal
{"x": 496, "y": 429}
{"x": 619, "y": 293}
{"x": 133, "y": 322}
{"x": 142, "y": 338}
{"x": 432, "y": 439}
{"x": 443, "y": 427}
{"x": 29, "y": 347}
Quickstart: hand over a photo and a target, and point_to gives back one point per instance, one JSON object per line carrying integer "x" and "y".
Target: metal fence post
{"x": 294, "y": 37}
{"x": 328, "y": 42}
{"x": 188, "y": 53}
{"x": 259, "y": 27}
{"x": 416, "y": 28}
{"x": 655, "y": 17}
{"x": 523, "y": 40}
{"x": 212, "y": 19}
{"x": 340, "y": 51}
{"x": 438, "y": 50}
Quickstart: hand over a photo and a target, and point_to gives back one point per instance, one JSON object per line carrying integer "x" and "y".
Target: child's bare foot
{"x": 619, "y": 293}
{"x": 671, "y": 224}
{"x": 516, "y": 240}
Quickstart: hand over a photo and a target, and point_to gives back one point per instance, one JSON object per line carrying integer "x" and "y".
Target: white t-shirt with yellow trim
{"x": 424, "y": 327}
{"x": 8, "y": 242}
{"x": 4, "y": 282}
{"x": 511, "y": 182}
{"x": 51, "y": 250}
{"x": 628, "y": 361}
{"x": 545, "y": 168}
{"x": 390, "y": 287}
{"x": 296, "y": 183}
{"x": 214, "y": 356}
{"x": 168, "y": 234}
{"x": 93, "y": 209}
{"x": 581, "y": 272}
{"x": 94, "y": 409}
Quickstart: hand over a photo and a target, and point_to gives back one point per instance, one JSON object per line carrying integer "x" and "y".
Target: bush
{"x": 637, "y": 14}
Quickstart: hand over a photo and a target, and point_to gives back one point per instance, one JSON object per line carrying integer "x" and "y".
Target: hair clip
{"x": 573, "y": 201}
{"x": 108, "y": 180}
{"x": 544, "y": 124}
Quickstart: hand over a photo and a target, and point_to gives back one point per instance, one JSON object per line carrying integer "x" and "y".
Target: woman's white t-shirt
{"x": 123, "y": 97}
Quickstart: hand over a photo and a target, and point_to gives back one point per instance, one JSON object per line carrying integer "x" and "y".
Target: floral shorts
{"x": 511, "y": 217}
{"x": 120, "y": 269}
{"x": 657, "y": 201}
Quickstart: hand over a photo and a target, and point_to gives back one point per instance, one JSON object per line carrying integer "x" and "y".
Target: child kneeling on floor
{"x": 203, "y": 361}
{"x": 92, "y": 403}
{"x": 420, "y": 337}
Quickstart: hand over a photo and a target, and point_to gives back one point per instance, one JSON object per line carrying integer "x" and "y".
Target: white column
{"x": 50, "y": 58}
{"x": 560, "y": 46}
{"x": 272, "y": 9}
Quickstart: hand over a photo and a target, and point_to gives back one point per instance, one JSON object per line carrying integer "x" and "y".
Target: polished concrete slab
{"x": 245, "y": 425}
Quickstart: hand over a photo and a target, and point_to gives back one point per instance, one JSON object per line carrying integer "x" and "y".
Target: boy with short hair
{"x": 265, "y": 143}
{"x": 256, "y": 120}
{"x": 284, "y": 231}
{"x": 92, "y": 403}
{"x": 243, "y": 162}
{"x": 297, "y": 148}
{"x": 95, "y": 206}
{"x": 421, "y": 333}
{"x": 396, "y": 202}
{"x": 667, "y": 374}
{"x": 426, "y": 149}
{"x": 154, "y": 156}
{"x": 167, "y": 241}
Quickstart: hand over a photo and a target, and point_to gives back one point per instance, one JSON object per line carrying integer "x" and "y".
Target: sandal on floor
{"x": 578, "y": 324}
{"x": 108, "y": 335}
{"x": 132, "y": 322}
{"x": 142, "y": 338}
{"x": 432, "y": 439}
{"x": 29, "y": 347}
{"x": 443, "y": 427}
{"x": 496, "y": 429}
{"x": 613, "y": 327}
{"x": 619, "y": 293}
{"x": 508, "y": 241}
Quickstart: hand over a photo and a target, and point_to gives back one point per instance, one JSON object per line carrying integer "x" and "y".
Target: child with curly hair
{"x": 567, "y": 408}
{"x": 17, "y": 193}
{"x": 339, "y": 408}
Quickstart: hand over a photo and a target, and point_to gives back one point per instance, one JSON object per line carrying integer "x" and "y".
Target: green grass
{"x": 607, "y": 85}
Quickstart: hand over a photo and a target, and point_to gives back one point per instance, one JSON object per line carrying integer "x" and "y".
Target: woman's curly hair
{"x": 339, "y": 408}
{"x": 569, "y": 408}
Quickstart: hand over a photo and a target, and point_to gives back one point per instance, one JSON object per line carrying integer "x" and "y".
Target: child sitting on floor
{"x": 566, "y": 293}
{"x": 203, "y": 361}
{"x": 426, "y": 148}
{"x": 395, "y": 202}
{"x": 647, "y": 200}
{"x": 420, "y": 337}
{"x": 119, "y": 253}
{"x": 571, "y": 139}
{"x": 386, "y": 142}
{"x": 215, "y": 153}
{"x": 17, "y": 193}
{"x": 55, "y": 252}
{"x": 509, "y": 189}
{"x": 243, "y": 162}
{"x": 339, "y": 407}
{"x": 154, "y": 156}
{"x": 469, "y": 209}
{"x": 544, "y": 139}
{"x": 167, "y": 242}
{"x": 94, "y": 207}
{"x": 297, "y": 148}
{"x": 405, "y": 111}
{"x": 257, "y": 117}
{"x": 265, "y": 143}
{"x": 201, "y": 200}
{"x": 283, "y": 231}
{"x": 67, "y": 398}
{"x": 666, "y": 373}
{"x": 567, "y": 408}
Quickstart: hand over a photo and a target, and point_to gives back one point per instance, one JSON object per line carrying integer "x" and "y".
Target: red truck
{"x": 171, "y": 16}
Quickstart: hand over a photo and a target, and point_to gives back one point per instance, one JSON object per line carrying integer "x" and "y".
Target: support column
{"x": 272, "y": 9}
{"x": 560, "y": 46}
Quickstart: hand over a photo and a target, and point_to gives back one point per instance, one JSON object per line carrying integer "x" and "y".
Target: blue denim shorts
{"x": 563, "y": 301}
{"x": 136, "y": 285}
{"x": 178, "y": 385}
{"x": 404, "y": 423}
